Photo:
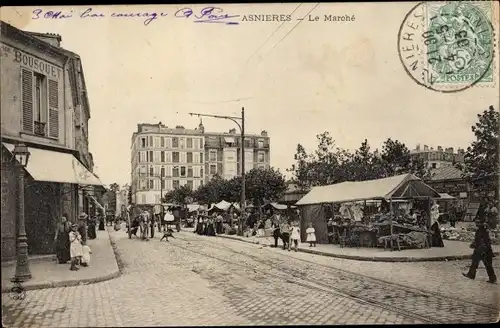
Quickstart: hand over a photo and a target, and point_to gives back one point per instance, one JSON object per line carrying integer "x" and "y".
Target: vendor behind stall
{"x": 436, "y": 240}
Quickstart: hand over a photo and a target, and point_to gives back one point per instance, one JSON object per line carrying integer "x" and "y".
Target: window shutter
{"x": 53, "y": 109}
{"x": 27, "y": 99}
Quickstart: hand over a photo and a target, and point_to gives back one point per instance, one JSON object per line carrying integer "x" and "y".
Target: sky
{"x": 295, "y": 81}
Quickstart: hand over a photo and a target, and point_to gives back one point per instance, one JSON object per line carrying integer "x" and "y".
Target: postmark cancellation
{"x": 449, "y": 46}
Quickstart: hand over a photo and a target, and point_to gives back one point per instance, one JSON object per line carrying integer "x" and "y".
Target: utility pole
{"x": 242, "y": 158}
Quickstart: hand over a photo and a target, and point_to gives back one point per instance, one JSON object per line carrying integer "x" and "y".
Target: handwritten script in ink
{"x": 214, "y": 15}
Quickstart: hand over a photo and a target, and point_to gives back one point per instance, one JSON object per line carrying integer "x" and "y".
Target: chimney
{"x": 418, "y": 147}
{"x": 263, "y": 133}
{"x": 440, "y": 149}
{"x": 179, "y": 127}
{"x": 426, "y": 148}
{"x": 232, "y": 131}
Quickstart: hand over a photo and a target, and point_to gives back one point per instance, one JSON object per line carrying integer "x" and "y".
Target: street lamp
{"x": 242, "y": 147}
{"x": 23, "y": 273}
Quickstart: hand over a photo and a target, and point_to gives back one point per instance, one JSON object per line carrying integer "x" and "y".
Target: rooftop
{"x": 446, "y": 173}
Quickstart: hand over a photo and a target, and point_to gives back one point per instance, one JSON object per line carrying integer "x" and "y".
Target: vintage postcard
{"x": 250, "y": 164}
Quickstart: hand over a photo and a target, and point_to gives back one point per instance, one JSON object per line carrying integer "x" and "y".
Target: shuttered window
{"x": 27, "y": 99}
{"x": 53, "y": 109}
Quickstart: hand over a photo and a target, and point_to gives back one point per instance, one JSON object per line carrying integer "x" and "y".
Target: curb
{"x": 72, "y": 283}
{"x": 368, "y": 259}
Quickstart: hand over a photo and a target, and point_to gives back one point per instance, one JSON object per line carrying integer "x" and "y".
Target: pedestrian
{"x": 436, "y": 238}
{"x": 152, "y": 223}
{"x": 276, "y": 230}
{"x": 452, "y": 216}
{"x": 62, "y": 240}
{"x": 75, "y": 249}
{"x": 101, "y": 223}
{"x": 482, "y": 252}
{"x": 82, "y": 227}
{"x": 311, "y": 235}
{"x": 294, "y": 236}
{"x": 91, "y": 225}
{"x": 86, "y": 255}
{"x": 285, "y": 234}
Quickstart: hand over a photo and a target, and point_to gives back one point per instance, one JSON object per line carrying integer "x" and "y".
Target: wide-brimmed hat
{"x": 83, "y": 215}
{"x": 74, "y": 226}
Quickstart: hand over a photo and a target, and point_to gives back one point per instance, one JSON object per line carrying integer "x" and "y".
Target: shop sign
{"x": 36, "y": 64}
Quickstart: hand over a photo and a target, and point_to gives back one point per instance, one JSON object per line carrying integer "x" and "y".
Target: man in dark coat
{"x": 482, "y": 252}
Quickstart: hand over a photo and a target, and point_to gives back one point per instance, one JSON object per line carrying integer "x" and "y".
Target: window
{"x": 157, "y": 142}
{"x": 157, "y": 156}
{"x": 143, "y": 142}
{"x": 201, "y": 172}
{"x": 183, "y": 171}
{"x": 162, "y": 171}
{"x": 175, "y": 157}
{"x": 182, "y": 143}
{"x": 189, "y": 143}
{"x": 189, "y": 183}
{"x": 168, "y": 143}
{"x": 150, "y": 156}
{"x": 175, "y": 172}
{"x": 40, "y": 104}
{"x": 201, "y": 158}
{"x": 196, "y": 157}
{"x": 151, "y": 184}
{"x": 213, "y": 156}
{"x": 151, "y": 171}
{"x": 168, "y": 157}
{"x": 162, "y": 142}
{"x": 261, "y": 157}
{"x": 248, "y": 143}
{"x": 190, "y": 172}
{"x": 162, "y": 156}
{"x": 261, "y": 143}
{"x": 150, "y": 141}
{"x": 175, "y": 142}
{"x": 213, "y": 168}
{"x": 175, "y": 184}
{"x": 189, "y": 158}
{"x": 434, "y": 165}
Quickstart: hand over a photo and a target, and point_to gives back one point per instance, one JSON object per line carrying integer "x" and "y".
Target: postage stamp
{"x": 448, "y": 46}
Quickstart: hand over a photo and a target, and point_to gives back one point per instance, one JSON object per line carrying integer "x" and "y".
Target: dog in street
{"x": 167, "y": 233}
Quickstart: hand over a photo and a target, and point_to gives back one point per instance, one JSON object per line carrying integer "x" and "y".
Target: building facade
{"x": 166, "y": 158}
{"x": 38, "y": 108}
{"x": 436, "y": 158}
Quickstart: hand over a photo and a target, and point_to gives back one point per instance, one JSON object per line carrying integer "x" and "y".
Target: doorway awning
{"x": 96, "y": 202}
{"x": 53, "y": 166}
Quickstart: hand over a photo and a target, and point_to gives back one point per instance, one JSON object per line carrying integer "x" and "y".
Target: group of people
{"x": 208, "y": 225}
{"x": 71, "y": 241}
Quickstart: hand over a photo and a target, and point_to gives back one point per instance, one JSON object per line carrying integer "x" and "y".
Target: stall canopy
{"x": 193, "y": 207}
{"x": 222, "y": 205}
{"x": 397, "y": 187}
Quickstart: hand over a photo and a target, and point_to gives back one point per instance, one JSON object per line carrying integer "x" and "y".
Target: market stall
{"x": 392, "y": 226}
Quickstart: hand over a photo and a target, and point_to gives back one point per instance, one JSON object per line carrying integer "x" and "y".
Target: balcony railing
{"x": 39, "y": 129}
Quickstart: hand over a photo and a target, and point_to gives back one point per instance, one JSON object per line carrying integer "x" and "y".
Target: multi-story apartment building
{"x": 437, "y": 158}
{"x": 165, "y": 158}
{"x": 43, "y": 103}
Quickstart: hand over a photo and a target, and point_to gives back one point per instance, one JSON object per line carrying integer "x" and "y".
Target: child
{"x": 311, "y": 235}
{"x": 75, "y": 248}
{"x": 86, "y": 255}
{"x": 295, "y": 236}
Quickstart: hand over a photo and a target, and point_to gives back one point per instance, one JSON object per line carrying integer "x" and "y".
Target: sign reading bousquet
{"x": 37, "y": 64}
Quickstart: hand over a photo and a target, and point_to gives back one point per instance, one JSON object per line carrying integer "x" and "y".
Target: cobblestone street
{"x": 195, "y": 280}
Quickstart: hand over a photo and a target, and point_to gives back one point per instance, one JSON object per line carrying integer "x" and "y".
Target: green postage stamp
{"x": 449, "y": 46}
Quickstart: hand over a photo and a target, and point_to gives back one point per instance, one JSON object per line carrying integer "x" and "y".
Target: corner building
{"x": 43, "y": 105}
{"x": 166, "y": 158}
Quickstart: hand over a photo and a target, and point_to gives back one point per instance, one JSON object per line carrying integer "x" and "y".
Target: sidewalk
{"x": 452, "y": 250}
{"x": 49, "y": 274}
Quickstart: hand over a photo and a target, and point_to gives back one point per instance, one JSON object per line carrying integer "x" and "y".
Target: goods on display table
{"x": 466, "y": 234}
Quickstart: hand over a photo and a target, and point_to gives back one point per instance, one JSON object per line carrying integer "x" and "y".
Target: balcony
{"x": 39, "y": 129}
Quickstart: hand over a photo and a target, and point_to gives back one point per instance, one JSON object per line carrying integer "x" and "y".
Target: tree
{"x": 481, "y": 159}
{"x": 129, "y": 195}
{"x": 396, "y": 159}
{"x": 179, "y": 195}
{"x": 264, "y": 185}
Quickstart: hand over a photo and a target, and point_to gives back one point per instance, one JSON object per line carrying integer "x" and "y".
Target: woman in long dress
{"x": 62, "y": 240}
{"x": 436, "y": 239}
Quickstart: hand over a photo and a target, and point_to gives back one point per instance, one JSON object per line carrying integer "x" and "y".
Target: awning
{"x": 229, "y": 139}
{"x": 53, "y": 166}
{"x": 96, "y": 202}
{"x": 405, "y": 186}
{"x": 445, "y": 196}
